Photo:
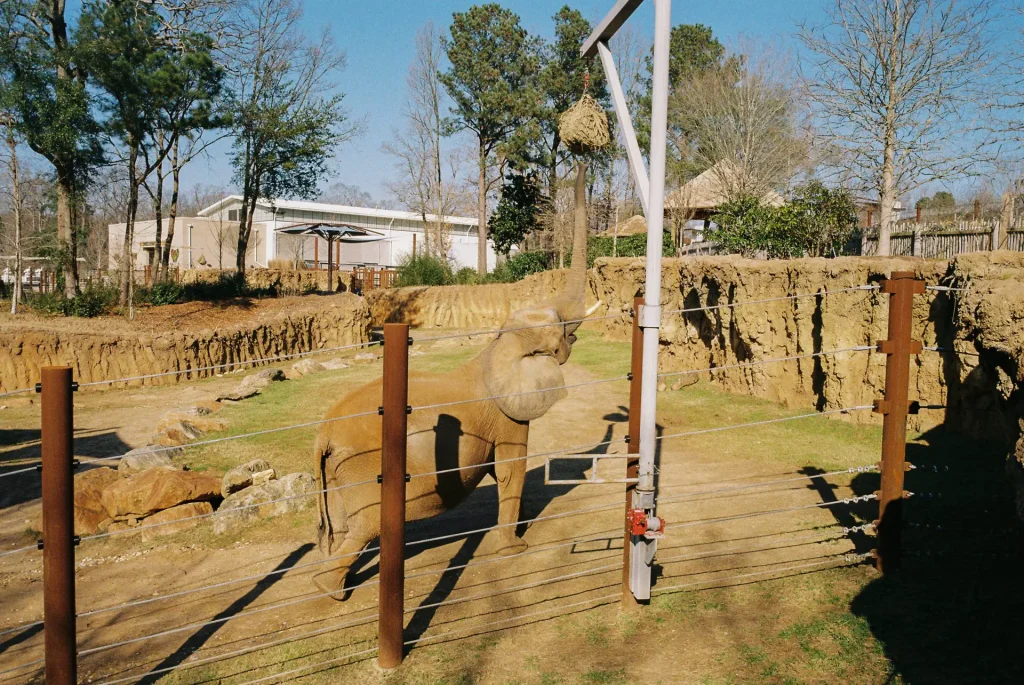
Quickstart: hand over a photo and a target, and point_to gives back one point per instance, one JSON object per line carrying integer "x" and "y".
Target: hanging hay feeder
{"x": 584, "y": 126}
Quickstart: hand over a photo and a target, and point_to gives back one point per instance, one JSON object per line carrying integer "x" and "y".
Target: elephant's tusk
{"x": 593, "y": 309}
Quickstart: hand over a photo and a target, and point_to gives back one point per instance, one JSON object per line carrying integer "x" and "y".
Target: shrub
{"x": 523, "y": 264}
{"x": 165, "y": 292}
{"x": 423, "y": 270}
{"x": 95, "y": 300}
{"x": 628, "y": 246}
{"x": 467, "y": 275}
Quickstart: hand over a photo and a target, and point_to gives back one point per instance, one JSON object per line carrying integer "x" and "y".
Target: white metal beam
{"x": 609, "y": 25}
{"x": 636, "y": 160}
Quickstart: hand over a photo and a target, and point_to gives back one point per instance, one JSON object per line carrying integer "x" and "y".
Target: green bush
{"x": 467, "y": 275}
{"x": 166, "y": 292}
{"x": 95, "y": 300}
{"x": 627, "y": 246}
{"x": 423, "y": 270}
{"x": 523, "y": 264}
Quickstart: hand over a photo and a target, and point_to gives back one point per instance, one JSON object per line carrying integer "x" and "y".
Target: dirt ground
{"x": 548, "y": 616}
{"x": 186, "y": 317}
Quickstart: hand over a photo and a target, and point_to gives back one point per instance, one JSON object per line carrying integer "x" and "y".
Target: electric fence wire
{"x": 730, "y": 305}
{"x": 492, "y": 331}
{"x": 262, "y": 576}
{"x": 734, "y": 549}
{"x": 762, "y": 362}
{"x": 827, "y": 563}
{"x": 214, "y": 367}
{"x": 662, "y": 437}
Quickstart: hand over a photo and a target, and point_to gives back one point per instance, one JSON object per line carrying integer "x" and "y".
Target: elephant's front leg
{"x": 510, "y": 471}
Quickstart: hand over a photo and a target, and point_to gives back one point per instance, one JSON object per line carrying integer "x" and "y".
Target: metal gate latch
{"x": 640, "y": 523}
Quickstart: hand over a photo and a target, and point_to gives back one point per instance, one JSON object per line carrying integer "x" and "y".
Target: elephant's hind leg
{"x": 332, "y": 581}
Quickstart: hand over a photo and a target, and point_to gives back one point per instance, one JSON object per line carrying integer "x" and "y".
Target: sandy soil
{"x": 271, "y": 609}
{"x": 186, "y": 317}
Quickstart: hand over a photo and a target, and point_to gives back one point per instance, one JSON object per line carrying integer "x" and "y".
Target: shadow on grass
{"x": 952, "y": 614}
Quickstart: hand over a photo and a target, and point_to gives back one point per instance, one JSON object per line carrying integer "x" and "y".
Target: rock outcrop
{"x": 253, "y": 384}
{"x": 149, "y": 457}
{"x": 90, "y": 513}
{"x": 243, "y": 476}
{"x": 262, "y": 501}
{"x": 96, "y": 355}
{"x": 158, "y": 489}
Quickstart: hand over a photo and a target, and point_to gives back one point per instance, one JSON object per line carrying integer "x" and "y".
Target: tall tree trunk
{"x": 65, "y": 231}
{"x": 128, "y": 256}
{"x": 173, "y": 213}
{"x": 158, "y": 211}
{"x": 481, "y": 213}
{"x": 12, "y": 143}
{"x": 887, "y": 194}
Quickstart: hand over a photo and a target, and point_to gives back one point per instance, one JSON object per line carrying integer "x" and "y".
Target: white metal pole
{"x": 643, "y": 549}
{"x": 651, "y": 318}
{"x": 636, "y": 160}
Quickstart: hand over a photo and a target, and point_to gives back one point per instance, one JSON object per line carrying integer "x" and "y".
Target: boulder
{"x": 177, "y": 433}
{"x": 365, "y": 357}
{"x": 89, "y": 512}
{"x": 174, "y": 520}
{"x": 260, "y": 501}
{"x": 157, "y": 489}
{"x": 148, "y": 457}
{"x": 185, "y": 412}
{"x": 252, "y": 384}
{"x": 241, "y": 477}
{"x": 335, "y": 364}
{"x": 306, "y": 366}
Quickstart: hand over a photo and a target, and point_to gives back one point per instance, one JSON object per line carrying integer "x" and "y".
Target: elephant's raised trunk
{"x": 571, "y": 304}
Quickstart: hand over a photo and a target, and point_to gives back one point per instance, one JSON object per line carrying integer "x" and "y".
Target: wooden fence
{"x": 944, "y": 241}
{"x": 364, "y": 279}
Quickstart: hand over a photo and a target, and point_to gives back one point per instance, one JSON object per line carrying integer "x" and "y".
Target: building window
{"x": 232, "y": 215}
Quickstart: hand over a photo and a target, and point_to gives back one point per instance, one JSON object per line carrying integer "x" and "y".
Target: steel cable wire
{"x": 345, "y": 589}
{"x": 214, "y": 367}
{"x": 730, "y": 305}
{"x": 824, "y": 412}
{"x": 561, "y": 607}
{"x": 714, "y": 369}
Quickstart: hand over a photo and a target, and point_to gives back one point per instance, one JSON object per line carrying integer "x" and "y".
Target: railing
{"x": 943, "y": 242}
{"x": 364, "y": 279}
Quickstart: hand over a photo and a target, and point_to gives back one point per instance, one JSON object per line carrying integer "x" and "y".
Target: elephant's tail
{"x": 333, "y": 517}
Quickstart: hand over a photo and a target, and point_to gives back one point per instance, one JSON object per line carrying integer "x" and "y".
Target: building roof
{"x": 304, "y": 206}
{"x": 706, "y": 192}
{"x": 634, "y": 225}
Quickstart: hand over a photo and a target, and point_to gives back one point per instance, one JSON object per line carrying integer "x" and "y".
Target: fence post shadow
{"x": 203, "y": 634}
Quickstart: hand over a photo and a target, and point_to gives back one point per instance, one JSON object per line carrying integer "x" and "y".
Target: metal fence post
{"x": 58, "y": 526}
{"x": 392, "y": 494}
{"x": 901, "y": 287}
{"x": 632, "y": 464}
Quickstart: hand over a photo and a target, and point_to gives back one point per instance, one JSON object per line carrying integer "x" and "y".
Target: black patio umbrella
{"x": 331, "y": 231}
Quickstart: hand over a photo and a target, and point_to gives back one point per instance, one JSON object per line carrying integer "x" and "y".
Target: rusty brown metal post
{"x": 58, "y": 526}
{"x": 632, "y": 465}
{"x": 392, "y": 494}
{"x": 901, "y": 288}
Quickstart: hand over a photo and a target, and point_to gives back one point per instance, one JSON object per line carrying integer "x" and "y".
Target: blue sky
{"x": 378, "y": 38}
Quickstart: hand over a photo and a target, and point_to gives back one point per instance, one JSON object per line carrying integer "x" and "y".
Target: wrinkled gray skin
{"x": 488, "y": 434}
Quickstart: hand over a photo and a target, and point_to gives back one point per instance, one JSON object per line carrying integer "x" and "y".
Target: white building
{"x": 208, "y": 241}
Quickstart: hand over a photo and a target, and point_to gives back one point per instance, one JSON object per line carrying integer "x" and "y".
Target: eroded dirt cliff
{"x": 177, "y": 338}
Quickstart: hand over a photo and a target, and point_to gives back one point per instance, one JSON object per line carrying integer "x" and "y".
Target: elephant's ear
{"x": 523, "y": 366}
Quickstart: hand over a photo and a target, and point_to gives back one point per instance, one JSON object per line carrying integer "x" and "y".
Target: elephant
{"x": 488, "y": 436}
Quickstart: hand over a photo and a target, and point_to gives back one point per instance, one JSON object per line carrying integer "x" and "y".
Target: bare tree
{"x": 429, "y": 176}
{"x": 743, "y": 122}
{"x": 13, "y": 171}
{"x": 897, "y": 85}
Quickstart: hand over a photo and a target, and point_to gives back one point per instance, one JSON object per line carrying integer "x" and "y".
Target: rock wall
{"x": 975, "y": 388}
{"x": 97, "y": 356}
{"x": 462, "y": 306}
{"x": 294, "y": 282}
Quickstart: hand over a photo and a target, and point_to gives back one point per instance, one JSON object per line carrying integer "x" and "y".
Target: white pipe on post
{"x": 651, "y": 317}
